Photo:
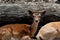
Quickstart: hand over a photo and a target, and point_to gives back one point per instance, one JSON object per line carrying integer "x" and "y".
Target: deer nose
{"x": 36, "y": 20}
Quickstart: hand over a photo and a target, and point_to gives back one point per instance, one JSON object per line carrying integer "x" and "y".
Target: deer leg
{"x": 6, "y": 37}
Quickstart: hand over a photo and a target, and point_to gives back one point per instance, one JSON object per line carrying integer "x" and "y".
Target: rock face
{"x": 14, "y": 14}
{"x": 19, "y": 1}
{"x": 18, "y": 13}
{"x": 52, "y": 11}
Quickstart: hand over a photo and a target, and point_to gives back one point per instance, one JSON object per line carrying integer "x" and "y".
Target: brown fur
{"x": 50, "y": 31}
{"x": 5, "y": 33}
{"x": 20, "y": 31}
{"x": 17, "y": 30}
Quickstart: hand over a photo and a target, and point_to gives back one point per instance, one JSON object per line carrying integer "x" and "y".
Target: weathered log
{"x": 14, "y": 14}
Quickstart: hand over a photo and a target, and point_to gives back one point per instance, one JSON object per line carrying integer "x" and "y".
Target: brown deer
{"x": 49, "y": 31}
{"x": 21, "y": 31}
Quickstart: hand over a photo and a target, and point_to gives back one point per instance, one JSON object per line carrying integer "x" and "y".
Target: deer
{"x": 21, "y": 31}
{"x": 49, "y": 31}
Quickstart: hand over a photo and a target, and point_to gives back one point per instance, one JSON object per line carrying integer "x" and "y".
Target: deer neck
{"x": 34, "y": 24}
{"x": 34, "y": 27}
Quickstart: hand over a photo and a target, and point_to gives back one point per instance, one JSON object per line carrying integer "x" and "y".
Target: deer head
{"x": 36, "y": 19}
{"x": 36, "y": 14}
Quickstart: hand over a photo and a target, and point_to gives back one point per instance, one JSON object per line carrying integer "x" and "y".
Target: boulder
{"x": 14, "y": 14}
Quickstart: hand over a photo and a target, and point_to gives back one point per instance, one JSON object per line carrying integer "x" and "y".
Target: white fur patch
{"x": 39, "y": 35}
{"x": 26, "y": 38}
{"x": 12, "y": 38}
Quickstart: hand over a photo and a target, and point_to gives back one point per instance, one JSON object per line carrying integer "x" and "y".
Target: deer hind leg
{"x": 47, "y": 33}
{"x": 52, "y": 35}
{"x": 15, "y": 36}
{"x": 5, "y": 34}
{"x": 5, "y": 37}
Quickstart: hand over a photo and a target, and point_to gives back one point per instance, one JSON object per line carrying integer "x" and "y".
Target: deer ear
{"x": 30, "y": 12}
